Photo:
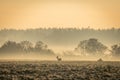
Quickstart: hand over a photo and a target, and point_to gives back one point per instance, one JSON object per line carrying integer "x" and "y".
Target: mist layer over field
{"x": 69, "y": 44}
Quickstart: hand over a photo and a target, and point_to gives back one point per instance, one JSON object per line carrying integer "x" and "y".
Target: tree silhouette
{"x": 40, "y": 45}
{"x": 10, "y": 46}
{"x": 91, "y": 46}
{"x": 26, "y": 45}
{"x": 115, "y": 50}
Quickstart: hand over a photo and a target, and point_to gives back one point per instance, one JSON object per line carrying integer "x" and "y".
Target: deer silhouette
{"x": 58, "y": 58}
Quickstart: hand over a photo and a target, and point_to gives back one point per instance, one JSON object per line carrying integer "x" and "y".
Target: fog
{"x": 68, "y": 43}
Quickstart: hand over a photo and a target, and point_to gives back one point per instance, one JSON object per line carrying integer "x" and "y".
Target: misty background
{"x": 59, "y": 41}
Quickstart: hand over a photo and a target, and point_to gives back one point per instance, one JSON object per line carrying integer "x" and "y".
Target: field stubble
{"x": 65, "y": 70}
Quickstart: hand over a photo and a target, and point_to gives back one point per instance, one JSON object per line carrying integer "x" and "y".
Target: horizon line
{"x": 77, "y": 28}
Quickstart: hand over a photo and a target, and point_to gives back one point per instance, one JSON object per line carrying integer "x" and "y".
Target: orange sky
{"x": 23, "y": 14}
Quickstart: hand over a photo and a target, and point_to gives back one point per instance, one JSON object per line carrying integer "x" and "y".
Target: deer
{"x": 58, "y": 58}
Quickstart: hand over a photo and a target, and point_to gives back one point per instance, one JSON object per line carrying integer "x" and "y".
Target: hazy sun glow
{"x": 79, "y": 13}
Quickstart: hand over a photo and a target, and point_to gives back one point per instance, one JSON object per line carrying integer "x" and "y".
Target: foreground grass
{"x": 52, "y": 70}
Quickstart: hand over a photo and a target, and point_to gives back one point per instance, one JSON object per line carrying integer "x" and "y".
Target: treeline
{"x": 90, "y": 47}
{"x": 92, "y": 42}
{"x": 12, "y": 47}
{"x": 61, "y": 36}
{"x": 93, "y": 47}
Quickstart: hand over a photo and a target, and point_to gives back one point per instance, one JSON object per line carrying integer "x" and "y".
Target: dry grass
{"x": 52, "y": 70}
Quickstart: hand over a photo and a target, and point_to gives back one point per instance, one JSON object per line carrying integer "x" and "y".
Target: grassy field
{"x": 65, "y": 70}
